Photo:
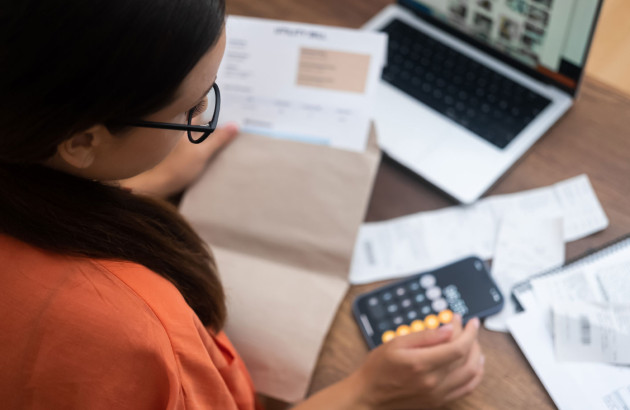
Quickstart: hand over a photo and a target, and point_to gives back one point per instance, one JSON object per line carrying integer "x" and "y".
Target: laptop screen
{"x": 550, "y": 37}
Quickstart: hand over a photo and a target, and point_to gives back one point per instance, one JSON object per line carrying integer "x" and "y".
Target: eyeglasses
{"x": 196, "y": 133}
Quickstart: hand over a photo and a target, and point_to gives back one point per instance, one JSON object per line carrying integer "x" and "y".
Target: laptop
{"x": 471, "y": 85}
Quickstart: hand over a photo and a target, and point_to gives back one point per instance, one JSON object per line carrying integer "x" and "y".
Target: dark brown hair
{"x": 68, "y": 65}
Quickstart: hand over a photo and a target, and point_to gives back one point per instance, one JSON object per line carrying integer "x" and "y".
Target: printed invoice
{"x": 299, "y": 81}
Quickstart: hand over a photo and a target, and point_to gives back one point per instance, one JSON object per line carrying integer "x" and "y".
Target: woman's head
{"x": 73, "y": 71}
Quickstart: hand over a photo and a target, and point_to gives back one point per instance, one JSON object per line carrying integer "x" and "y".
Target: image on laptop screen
{"x": 548, "y": 36}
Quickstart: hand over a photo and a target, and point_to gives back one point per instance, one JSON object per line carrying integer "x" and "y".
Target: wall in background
{"x": 609, "y": 60}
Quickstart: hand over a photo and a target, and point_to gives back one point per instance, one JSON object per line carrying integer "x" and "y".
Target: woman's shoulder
{"x": 72, "y": 324}
{"x": 117, "y": 307}
{"x": 84, "y": 297}
{"x": 34, "y": 275}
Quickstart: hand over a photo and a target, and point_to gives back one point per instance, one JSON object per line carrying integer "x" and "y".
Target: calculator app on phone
{"x": 427, "y": 300}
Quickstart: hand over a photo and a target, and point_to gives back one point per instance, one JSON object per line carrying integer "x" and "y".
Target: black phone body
{"x": 464, "y": 287}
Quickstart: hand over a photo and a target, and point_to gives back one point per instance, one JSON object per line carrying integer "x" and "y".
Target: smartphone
{"x": 427, "y": 300}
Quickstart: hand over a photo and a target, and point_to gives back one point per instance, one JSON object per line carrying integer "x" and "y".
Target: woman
{"x": 109, "y": 299}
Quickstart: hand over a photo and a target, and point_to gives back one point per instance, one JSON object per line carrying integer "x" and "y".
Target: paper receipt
{"x": 589, "y": 331}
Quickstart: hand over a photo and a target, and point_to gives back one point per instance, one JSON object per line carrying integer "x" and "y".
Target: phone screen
{"x": 427, "y": 300}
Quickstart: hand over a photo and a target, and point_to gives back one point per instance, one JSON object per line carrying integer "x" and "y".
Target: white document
{"x": 586, "y": 282}
{"x": 584, "y": 331}
{"x": 426, "y": 240}
{"x": 525, "y": 246}
{"x": 571, "y": 385}
{"x": 589, "y": 321}
{"x": 615, "y": 282}
{"x": 302, "y": 82}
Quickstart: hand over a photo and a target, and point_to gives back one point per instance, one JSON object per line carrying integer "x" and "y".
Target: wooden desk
{"x": 593, "y": 138}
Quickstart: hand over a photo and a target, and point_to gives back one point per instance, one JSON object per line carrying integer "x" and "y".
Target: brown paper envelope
{"x": 278, "y": 316}
{"x": 282, "y": 218}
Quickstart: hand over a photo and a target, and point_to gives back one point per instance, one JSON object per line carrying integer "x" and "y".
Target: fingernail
{"x": 475, "y": 322}
{"x": 482, "y": 360}
{"x": 446, "y": 328}
{"x": 232, "y": 126}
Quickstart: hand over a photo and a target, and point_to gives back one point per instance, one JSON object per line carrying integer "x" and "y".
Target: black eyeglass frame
{"x": 206, "y": 129}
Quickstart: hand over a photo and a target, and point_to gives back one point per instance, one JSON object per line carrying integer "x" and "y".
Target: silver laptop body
{"x": 538, "y": 45}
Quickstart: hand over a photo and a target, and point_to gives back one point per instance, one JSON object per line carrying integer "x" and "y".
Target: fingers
{"x": 219, "y": 138}
{"x": 457, "y": 326}
{"x": 446, "y": 353}
{"x": 458, "y": 331}
{"x": 423, "y": 339}
{"x": 466, "y": 372}
{"x": 468, "y": 387}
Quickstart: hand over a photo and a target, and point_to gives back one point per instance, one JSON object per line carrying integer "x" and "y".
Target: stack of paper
{"x": 571, "y": 385}
{"x": 590, "y": 331}
{"x": 590, "y": 310}
{"x": 575, "y": 330}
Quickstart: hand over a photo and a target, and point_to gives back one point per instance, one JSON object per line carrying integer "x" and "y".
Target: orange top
{"x": 78, "y": 333}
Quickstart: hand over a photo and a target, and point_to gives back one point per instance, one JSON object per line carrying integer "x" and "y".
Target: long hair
{"x": 68, "y": 65}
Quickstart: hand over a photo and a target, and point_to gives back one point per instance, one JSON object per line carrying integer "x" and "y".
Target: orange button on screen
{"x": 387, "y": 336}
{"x": 445, "y": 316}
{"x": 417, "y": 326}
{"x": 403, "y": 330}
{"x": 431, "y": 322}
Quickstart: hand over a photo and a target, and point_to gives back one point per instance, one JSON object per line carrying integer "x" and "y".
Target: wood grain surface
{"x": 592, "y": 138}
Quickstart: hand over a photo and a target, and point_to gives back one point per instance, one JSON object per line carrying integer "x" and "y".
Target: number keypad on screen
{"x": 427, "y": 300}
{"x": 409, "y": 307}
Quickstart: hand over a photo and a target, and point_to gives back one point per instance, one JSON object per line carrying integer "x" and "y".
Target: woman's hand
{"x": 422, "y": 370}
{"x": 417, "y": 371}
{"x": 182, "y": 166}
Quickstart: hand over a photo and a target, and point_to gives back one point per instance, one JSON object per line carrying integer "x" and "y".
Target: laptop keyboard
{"x": 474, "y": 96}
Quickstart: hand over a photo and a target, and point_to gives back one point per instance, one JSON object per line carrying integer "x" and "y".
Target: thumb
{"x": 424, "y": 338}
{"x": 220, "y": 137}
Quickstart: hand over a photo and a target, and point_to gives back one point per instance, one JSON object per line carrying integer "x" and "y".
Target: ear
{"x": 79, "y": 151}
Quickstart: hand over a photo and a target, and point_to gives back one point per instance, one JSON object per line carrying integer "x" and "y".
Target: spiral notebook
{"x": 574, "y": 385}
{"x": 614, "y": 252}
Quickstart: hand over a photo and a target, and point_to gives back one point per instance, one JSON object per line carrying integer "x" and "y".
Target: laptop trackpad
{"x": 429, "y": 143}
{"x": 405, "y": 125}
